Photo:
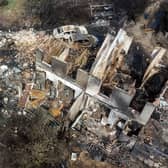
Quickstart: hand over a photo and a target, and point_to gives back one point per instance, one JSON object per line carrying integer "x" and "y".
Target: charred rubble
{"x": 100, "y": 13}
{"x": 3, "y": 2}
{"x": 83, "y": 96}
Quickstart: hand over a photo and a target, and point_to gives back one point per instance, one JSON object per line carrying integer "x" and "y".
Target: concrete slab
{"x": 59, "y": 67}
{"x": 82, "y": 78}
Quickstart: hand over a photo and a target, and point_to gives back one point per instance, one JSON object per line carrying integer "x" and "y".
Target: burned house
{"x": 113, "y": 98}
{"x": 109, "y": 82}
{"x": 93, "y": 92}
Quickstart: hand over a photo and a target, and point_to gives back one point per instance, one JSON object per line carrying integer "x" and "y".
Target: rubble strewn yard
{"x": 83, "y": 84}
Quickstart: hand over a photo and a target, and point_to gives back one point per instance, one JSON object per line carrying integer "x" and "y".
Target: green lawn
{"x": 12, "y": 12}
{"x": 11, "y": 4}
